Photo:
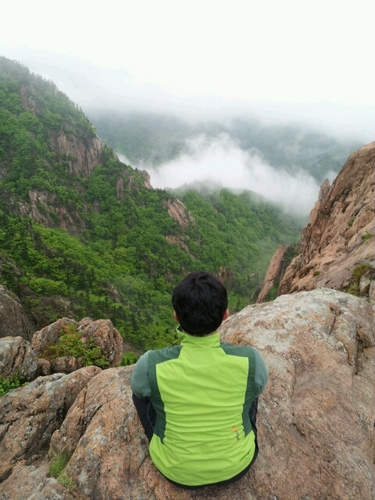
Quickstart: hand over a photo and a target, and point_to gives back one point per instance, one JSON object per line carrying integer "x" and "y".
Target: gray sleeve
{"x": 261, "y": 372}
{"x": 139, "y": 382}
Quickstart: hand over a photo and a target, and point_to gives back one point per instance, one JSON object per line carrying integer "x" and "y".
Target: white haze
{"x": 283, "y": 62}
{"x": 221, "y": 163}
{"x": 92, "y": 86}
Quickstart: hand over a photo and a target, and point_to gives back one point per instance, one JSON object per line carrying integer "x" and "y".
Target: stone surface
{"x": 29, "y": 415}
{"x": 323, "y": 193}
{"x": 104, "y": 335}
{"x": 13, "y": 319}
{"x": 44, "y": 367}
{"x": 341, "y": 234}
{"x": 274, "y": 272}
{"x": 33, "y": 483}
{"x": 316, "y": 416}
{"x": 17, "y": 358}
{"x": 100, "y": 333}
{"x": 178, "y": 212}
{"x": 27, "y": 479}
{"x": 66, "y": 364}
{"x": 49, "y": 334}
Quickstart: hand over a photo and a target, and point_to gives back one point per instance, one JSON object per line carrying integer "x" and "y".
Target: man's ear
{"x": 175, "y": 316}
{"x": 226, "y": 315}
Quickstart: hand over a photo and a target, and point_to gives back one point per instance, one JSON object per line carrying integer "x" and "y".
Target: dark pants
{"x": 147, "y": 416}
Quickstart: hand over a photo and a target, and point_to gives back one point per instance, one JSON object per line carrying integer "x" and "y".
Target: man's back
{"x": 198, "y": 401}
{"x": 202, "y": 391}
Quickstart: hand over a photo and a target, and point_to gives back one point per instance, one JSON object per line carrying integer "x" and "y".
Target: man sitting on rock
{"x": 197, "y": 401}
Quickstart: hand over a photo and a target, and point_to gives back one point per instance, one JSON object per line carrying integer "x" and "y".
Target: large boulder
{"x": 316, "y": 415}
{"x": 13, "y": 319}
{"x": 17, "y": 358}
{"x": 49, "y": 334}
{"x": 100, "y": 333}
{"x": 29, "y": 416}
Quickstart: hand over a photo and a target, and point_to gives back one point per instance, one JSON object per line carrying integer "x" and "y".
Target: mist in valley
{"x": 221, "y": 163}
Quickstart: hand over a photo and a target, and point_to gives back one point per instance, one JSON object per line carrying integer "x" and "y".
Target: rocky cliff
{"x": 337, "y": 248}
{"x": 316, "y": 416}
{"x": 274, "y": 273}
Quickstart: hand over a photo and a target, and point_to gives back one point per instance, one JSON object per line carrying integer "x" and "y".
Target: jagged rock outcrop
{"x": 17, "y": 359}
{"x": 100, "y": 333}
{"x": 103, "y": 334}
{"x": 49, "y": 334}
{"x": 42, "y": 208}
{"x": 13, "y": 319}
{"x": 274, "y": 272}
{"x": 83, "y": 153}
{"x": 341, "y": 235}
{"x": 146, "y": 176}
{"x": 30, "y": 415}
{"x": 315, "y": 420}
{"x": 178, "y": 212}
{"x": 323, "y": 193}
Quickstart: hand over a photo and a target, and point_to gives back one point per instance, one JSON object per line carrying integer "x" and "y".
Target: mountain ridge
{"x": 90, "y": 237}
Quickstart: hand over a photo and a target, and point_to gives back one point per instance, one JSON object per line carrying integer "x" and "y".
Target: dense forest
{"x": 83, "y": 234}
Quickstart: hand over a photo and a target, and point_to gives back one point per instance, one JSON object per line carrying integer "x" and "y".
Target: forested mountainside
{"x": 154, "y": 139}
{"x": 83, "y": 234}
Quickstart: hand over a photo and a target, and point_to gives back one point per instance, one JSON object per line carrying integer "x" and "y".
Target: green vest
{"x": 202, "y": 391}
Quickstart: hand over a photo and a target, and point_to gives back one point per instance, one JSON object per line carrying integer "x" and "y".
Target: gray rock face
{"x": 315, "y": 419}
{"x": 17, "y": 358}
{"x": 13, "y": 319}
{"x": 29, "y": 416}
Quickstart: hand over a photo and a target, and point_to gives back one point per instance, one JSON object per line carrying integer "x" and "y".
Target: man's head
{"x": 200, "y": 303}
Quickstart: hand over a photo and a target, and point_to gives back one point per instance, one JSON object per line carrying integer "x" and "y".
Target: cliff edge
{"x": 341, "y": 235}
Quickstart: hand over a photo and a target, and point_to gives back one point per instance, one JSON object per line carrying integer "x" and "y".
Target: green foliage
{"x": 364, "y": 269}
{"x": 239, "y": 233}
{"x": 7, "y": 384}
{"x": 366, "y": 237}
{"x": 129, "y": 358}
{"x": 273, "y": 291}
{"x": 56, "y": 468}
{"x": 58, "y": 462}
{"x": 70, "y": 344}
{"x": 108, "y": 247}
{"x": 67, "y": 481}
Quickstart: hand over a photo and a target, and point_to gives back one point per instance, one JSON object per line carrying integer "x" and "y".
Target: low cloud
{"x": 222, "y": 163}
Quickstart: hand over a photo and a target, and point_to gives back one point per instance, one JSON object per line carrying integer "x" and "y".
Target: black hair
{"x": 200, "y": 302}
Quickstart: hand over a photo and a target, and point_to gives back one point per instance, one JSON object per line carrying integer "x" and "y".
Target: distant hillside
{"x": 82, "y": 234}
{"x": 154, "y": 139}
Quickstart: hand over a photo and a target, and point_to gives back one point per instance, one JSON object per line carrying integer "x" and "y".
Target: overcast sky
{"x": 290, "y": 51}
{"x": 290, "y": 59}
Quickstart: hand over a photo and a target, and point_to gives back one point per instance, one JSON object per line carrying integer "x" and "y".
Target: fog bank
{"x": 222, "y": 163}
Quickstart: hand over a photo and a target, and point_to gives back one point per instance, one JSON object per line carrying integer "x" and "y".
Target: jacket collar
{"x": 186, "y": 340}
